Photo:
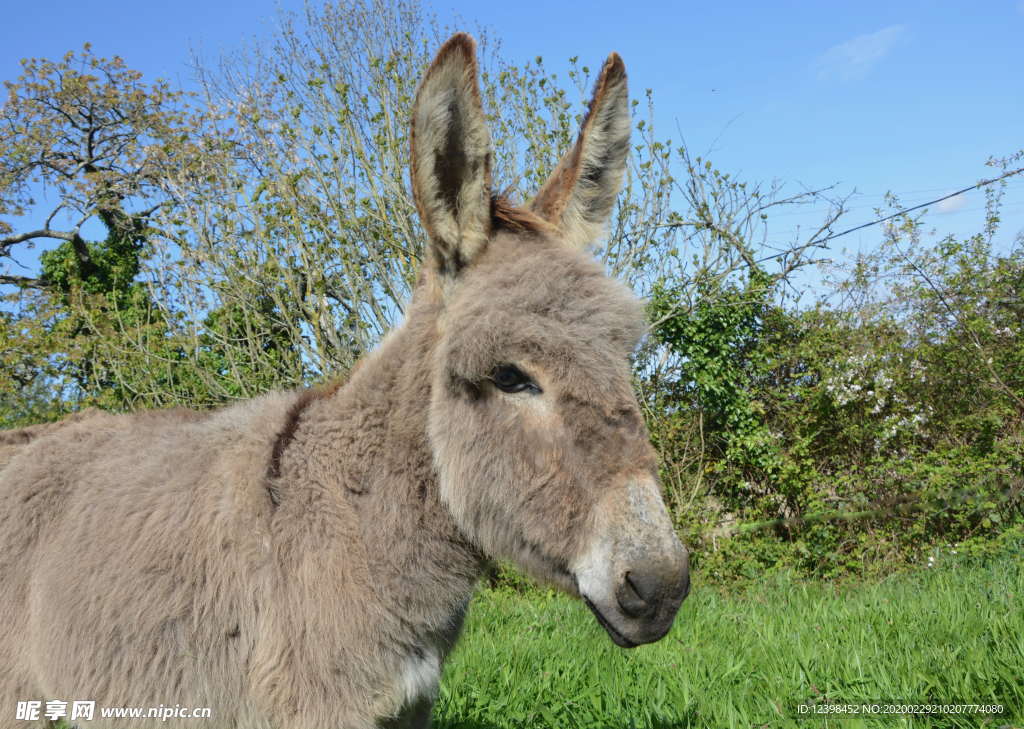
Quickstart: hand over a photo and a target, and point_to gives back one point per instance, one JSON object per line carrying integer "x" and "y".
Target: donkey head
{"x": 540, "y": 449}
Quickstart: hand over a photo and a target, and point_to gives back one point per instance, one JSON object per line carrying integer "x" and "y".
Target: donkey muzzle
{"x": 645, "y": 604}
{"x": 635, "y": 572}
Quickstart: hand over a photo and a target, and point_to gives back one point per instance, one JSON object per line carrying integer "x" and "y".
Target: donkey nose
{"x": 639, "y": 593}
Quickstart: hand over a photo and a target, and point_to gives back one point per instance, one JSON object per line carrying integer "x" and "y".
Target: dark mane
{"x": 505, "y": 215}
{"x": 287, "y": 432}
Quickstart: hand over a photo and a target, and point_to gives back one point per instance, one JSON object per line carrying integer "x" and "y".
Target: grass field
{"x": 951, "y": 634}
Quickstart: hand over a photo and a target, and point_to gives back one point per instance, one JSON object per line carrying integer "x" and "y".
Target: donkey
{"x": 305, "y": 559}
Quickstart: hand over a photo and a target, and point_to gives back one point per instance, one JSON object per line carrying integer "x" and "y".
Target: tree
{"x": 96, "y": 141}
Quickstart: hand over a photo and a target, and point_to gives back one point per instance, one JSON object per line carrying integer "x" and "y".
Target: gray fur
{"x": 305, "y": 559}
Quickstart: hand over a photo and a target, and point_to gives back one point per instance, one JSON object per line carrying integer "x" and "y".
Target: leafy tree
{"x": 93, "y": 328}
{"x": 88, "y": 136}
{"x": 95, "y": 141}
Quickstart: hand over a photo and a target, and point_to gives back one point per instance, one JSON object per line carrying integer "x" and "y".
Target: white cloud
{"x": 951, "y": 204}
{"x": 855, "y": 58}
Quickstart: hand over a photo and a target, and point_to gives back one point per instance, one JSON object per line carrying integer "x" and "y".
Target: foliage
{"x": 856, "y": 432}
{"x": 92, "y": 328}
{"x": 720, "y": 339}
{"x": 86, "y": 131}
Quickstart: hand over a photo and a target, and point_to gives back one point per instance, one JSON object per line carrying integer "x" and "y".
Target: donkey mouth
{"x": 618, "y": 638}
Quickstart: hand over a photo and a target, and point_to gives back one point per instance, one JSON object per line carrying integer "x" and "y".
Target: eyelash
{"x": 511, "y": 379}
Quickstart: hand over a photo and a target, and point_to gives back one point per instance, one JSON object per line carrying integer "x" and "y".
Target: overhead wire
{"x": 904, "y": 211}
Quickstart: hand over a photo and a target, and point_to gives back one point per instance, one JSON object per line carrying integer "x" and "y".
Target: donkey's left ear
{"x": 579, "y": 195}
{"x": 451, "y": 158}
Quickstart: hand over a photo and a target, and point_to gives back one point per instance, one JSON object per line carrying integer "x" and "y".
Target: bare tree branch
{"x": 22, "y": 282}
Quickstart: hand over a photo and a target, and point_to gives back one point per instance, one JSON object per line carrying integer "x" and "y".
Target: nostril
{"x": 633, "y": 581}
{"x": 636, "y": 595}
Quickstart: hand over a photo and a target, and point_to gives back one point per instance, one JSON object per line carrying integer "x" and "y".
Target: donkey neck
{"x": 363, "y": 452}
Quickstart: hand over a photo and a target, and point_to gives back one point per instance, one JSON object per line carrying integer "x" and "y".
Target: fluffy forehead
{"x": 543, "y": 303}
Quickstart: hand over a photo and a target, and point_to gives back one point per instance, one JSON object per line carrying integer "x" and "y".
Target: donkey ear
{"x": 451, "y": 158}
{"x": 579, "y": 195}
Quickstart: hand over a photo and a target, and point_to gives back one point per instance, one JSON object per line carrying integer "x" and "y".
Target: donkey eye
{"x": 509, "y": 378}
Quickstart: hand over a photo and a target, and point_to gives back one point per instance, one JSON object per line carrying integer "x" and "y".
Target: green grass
{"x": 952, "y": 634}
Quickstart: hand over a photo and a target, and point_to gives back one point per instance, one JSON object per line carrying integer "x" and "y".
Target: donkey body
{"x": 305, "y": 559}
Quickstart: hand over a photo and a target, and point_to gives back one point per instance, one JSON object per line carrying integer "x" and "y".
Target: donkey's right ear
{"x": 579, "y": 195}
{"x": 451, "y": 158}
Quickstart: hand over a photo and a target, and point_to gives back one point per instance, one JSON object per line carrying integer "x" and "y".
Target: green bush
{"x": 838, "y": 438}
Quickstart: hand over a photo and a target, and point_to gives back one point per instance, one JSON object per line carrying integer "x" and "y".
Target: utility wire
{"x": 976, "y": 186}
{"x": 819, "y": 242}
{"x": 862, "y": 198}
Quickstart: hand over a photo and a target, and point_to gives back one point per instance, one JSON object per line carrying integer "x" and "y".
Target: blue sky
{"x": 911, "y": 97}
